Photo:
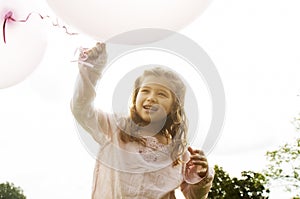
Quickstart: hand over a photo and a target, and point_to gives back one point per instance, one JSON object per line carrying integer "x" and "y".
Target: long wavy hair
{"x": 176, "y": 121}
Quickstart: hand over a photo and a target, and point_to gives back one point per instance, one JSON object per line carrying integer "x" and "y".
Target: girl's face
{"x": 154, "y": 101}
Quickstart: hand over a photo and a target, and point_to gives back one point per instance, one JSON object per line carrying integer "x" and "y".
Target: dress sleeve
{"x": 94, "y": 121}
{"x": 194, "y": 186}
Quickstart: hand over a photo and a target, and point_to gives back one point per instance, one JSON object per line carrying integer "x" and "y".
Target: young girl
{"x": 142, "y": 156}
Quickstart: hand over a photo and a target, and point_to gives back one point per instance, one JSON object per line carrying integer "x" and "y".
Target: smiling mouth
{"x": 150, "y": 108}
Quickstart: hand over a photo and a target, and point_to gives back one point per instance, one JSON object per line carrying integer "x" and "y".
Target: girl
{"x": 142, "y": 156}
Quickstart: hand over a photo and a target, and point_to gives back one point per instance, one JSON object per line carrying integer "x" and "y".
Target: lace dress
{"x": 130, "y": 170}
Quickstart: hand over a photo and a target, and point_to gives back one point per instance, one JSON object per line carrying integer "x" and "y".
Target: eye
{"x": 162, "y": 94}
{"x": 144, "y": 90}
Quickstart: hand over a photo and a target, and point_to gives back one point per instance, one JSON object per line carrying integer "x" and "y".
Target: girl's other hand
{"x": 199, "y": 160}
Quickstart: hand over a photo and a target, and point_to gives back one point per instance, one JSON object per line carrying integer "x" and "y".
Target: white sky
{"x": 255, "y": 46}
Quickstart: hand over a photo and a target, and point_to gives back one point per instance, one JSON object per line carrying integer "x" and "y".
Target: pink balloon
{"x": 25, "y": 42}
{"x": 103, "y": 19}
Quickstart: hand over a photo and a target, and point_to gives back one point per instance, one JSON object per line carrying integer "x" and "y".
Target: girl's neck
{"x": 152, "y": 129}
{"x": 160, "y": 137}
{"x": 156, "y": 130}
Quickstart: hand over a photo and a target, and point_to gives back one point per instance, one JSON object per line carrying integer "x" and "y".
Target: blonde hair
{"x": 176, "y": 121}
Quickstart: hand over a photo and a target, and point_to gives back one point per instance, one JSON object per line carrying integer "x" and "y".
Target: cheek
{"x": 138, "y": 99}
{"x": 168, "y": 106}
{"x": 138, "y": 102}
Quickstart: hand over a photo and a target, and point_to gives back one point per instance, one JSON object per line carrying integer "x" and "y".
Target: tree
{"x": 9, "y": 191}
{"x": 250, "y": 186}
{"x": 222, "y": 184}
{"x": 284, "y": 164}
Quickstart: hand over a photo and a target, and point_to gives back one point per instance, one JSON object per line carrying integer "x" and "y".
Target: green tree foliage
{"x": 9, "y": 191}
{"x": 250, "y": 186}
{"x": 284, "y": 166}
{"x": 283, "y": 169}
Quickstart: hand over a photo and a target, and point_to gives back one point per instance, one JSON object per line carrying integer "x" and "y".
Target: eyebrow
{"x": 167, "y": 91}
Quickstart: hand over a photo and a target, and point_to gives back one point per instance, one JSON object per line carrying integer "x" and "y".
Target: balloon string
{"x": 82, "y": 57}
{"x": 8, "y": 17}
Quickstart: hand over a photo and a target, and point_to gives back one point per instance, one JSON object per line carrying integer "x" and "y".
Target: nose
{"x": 151, "y": 98}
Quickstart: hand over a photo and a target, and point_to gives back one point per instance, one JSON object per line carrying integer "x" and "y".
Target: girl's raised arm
{"x": 91, "y": 63}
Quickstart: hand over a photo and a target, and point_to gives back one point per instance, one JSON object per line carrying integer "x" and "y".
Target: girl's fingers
{"x": 100, "y": 47}
{"x": 198, "y": 157}
{"x": 193, "y": 152}
{"x": 200, "y": 163}
{"x": 190, "y": 150}
{"x": 92, "y": 53}
{"x": 96, "y": 51}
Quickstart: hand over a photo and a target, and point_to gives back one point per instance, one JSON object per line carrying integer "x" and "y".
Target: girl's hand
{"x": 199, "y": 160}
{"x": 95, "y": 57}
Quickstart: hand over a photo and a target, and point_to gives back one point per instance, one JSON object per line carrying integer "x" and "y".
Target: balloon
{"x": 25, "y": 41}
{"x": 103, "y": 19}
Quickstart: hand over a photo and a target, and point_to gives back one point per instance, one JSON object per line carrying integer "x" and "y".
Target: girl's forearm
{"x": 84, "y": 93}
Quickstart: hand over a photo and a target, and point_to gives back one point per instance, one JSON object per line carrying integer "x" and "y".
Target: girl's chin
{"x": 145, "y": 122}
{"x": 154, "y": 121}
{"x": 151, "y": 118}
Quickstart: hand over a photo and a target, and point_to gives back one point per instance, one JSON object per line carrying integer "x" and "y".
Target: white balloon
{"x": 25, "y": 42}
{"x": 103, "y": 19}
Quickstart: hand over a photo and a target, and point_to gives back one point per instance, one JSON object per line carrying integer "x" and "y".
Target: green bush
{"x": 251, "y": 185}
{"x": 10, "y": 191}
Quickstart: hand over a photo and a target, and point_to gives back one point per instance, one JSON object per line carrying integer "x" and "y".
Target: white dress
{"x": 130, "y": 170}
